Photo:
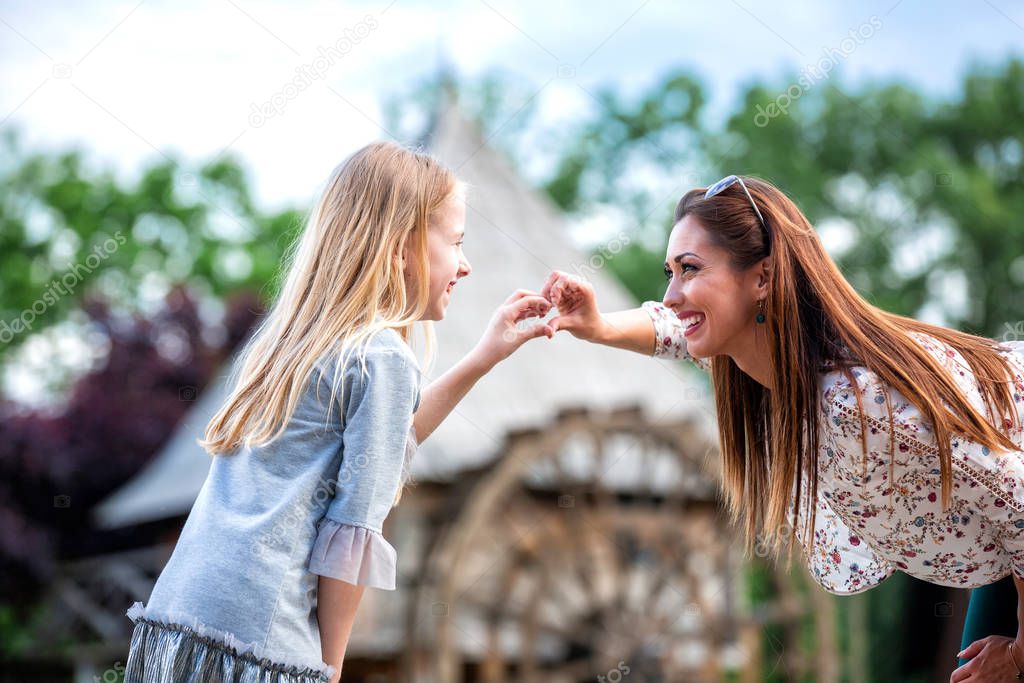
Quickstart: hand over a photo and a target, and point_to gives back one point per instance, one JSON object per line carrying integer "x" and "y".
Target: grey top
{"x": 270, "y": 519}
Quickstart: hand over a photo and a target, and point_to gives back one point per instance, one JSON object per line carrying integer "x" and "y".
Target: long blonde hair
{"x": 814, "y": 315}
{"x": 344, "y": 283}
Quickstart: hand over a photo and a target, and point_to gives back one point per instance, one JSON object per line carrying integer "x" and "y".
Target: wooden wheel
{"x": 592, "y": 550}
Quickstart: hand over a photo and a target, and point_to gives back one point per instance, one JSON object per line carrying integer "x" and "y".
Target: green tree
{"x": 66, "y": 228}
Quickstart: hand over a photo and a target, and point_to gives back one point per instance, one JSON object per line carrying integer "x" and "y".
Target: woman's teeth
{"x": 692, "y": 320}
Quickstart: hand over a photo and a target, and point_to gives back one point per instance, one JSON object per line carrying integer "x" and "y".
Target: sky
{"x": 132, "y": 82}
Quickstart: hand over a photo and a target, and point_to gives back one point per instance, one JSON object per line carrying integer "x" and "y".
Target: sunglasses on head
{"x": 729, "y": 181}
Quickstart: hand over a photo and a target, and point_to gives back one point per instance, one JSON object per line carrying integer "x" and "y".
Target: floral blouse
{"x": 867, "y": 525}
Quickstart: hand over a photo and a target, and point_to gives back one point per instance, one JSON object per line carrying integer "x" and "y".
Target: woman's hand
{"x": 503, "y": 335}
{"x": 577, "y": 306}
{"x": 990, "y": 661}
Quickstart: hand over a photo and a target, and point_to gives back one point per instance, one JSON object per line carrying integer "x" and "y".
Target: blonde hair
{"x": 344, "y": 283}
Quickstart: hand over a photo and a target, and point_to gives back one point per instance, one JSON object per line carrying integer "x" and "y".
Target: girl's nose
{"x": 465, "y": 269}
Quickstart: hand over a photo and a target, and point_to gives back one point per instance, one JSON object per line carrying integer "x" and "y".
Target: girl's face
{"x": 444, "y": 249}
{"x": 718, "y": 304}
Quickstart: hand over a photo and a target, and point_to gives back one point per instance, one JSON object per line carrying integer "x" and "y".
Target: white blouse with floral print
{"x": 867, "y": 525}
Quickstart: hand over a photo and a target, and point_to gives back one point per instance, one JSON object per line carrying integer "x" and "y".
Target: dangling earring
{"x": 760, "y": 312}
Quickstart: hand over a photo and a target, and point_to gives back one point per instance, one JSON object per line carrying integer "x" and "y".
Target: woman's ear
{"x": 760, "y": 278}
{"x": 765, "y": 274}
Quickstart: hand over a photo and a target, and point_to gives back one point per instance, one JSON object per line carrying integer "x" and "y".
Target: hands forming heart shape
{"x": 572, "y": 297}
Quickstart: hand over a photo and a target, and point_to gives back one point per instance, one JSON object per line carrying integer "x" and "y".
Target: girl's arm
{"x": 499, "y": 341}
{"x": 336, "y": 603}
{"x": 350, "y": 553}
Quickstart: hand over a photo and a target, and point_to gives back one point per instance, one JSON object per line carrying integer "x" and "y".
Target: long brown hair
{"x": 814, "y": 315}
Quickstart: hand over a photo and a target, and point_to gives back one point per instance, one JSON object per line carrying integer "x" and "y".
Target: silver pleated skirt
{"x": 163, "y": 652}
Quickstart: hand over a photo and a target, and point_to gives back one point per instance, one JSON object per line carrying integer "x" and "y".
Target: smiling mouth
{"x": 692, "y": 322}
{"x": 451, "y": 285}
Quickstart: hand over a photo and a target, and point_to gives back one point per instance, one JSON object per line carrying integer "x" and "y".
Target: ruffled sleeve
{"x": 356, "y": 554}
{"x": 353, "y": 554}
{"x": 669, "y": 341}
{"x": 378, "y": 443}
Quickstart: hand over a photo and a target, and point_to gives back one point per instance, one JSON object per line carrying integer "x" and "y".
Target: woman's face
{"x": 444, "y": 248}
{"x": 718, "y": 304}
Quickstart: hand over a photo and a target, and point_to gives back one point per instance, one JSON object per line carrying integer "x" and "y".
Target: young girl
{"x": 285, "y": 534}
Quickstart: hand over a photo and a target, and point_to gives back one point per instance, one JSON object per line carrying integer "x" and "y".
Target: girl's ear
{"x": 404, "y": 258}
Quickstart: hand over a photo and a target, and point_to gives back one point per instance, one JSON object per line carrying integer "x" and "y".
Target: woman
{"x": 803, "y": 367}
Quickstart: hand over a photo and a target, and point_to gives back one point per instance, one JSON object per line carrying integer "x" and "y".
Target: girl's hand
{"x": 577, "y": 306}
{"x": 502, "y": 336}
{"x": 990, "y": 661}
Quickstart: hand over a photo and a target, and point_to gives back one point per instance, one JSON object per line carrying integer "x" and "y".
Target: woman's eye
{"x": 684, "y": 266}
{"x": 668, "y": 273}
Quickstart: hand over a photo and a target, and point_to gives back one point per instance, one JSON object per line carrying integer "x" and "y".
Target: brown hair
{"x": 815, "y": 315}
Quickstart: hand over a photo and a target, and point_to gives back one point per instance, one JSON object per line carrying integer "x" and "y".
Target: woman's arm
{"x": 992, "y": 658}
{"x": 1018, "y": 649}
{"x": 651, "y": 330}
{"x": 578, "y": 314}
{"x": 501, "y": 338}
{"x": 336, "y": 610}
{"x": 630, "y": 330}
